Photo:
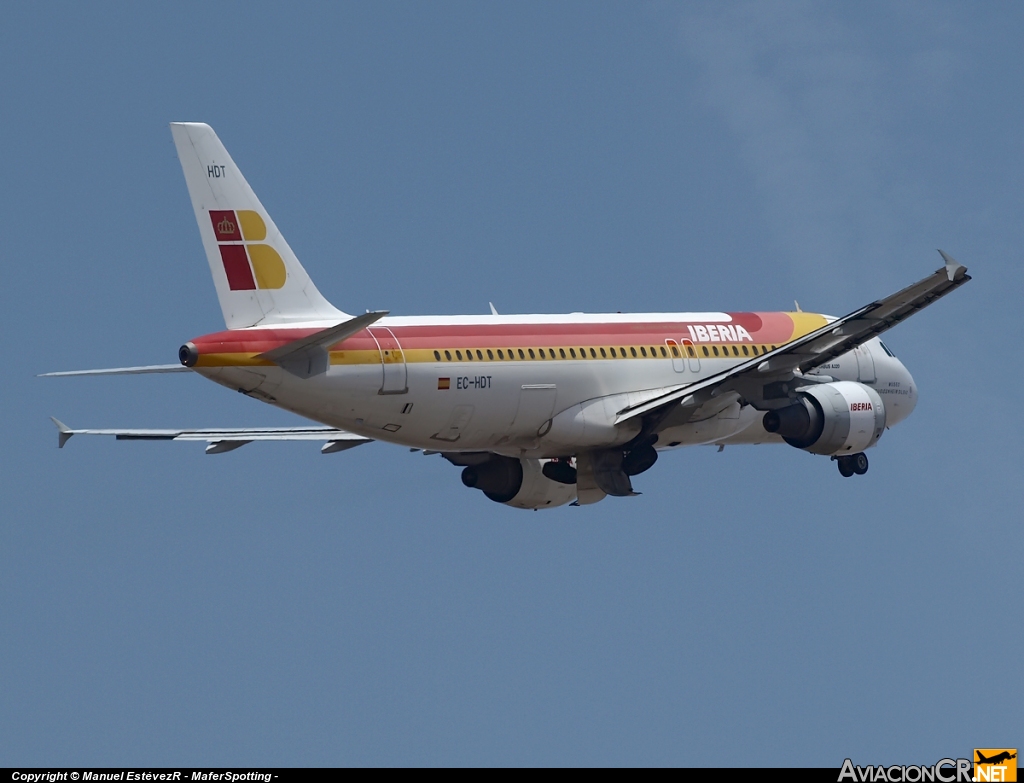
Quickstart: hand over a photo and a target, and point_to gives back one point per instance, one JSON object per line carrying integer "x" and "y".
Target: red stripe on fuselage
{"x": 764, "y": 328}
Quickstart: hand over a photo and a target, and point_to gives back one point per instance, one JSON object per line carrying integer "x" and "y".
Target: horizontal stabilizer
{"x": 307, "y": 356}
{"x": 153, "y": 368}
{"x": 221, "y": 440}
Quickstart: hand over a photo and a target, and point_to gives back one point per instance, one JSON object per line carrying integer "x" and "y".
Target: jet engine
{"x": 830, "y": 418}
{"x": 517, "y": 482}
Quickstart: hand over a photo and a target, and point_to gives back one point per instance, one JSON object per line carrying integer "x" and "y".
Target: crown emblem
{"x": 226, "y": 227}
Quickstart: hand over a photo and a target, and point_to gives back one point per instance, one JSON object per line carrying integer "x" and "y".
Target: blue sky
{"x": 275, "y": 606}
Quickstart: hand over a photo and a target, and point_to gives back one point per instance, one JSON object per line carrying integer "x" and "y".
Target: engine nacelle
{"x": 831, "y": 418}
{"x": 518, "y": 482}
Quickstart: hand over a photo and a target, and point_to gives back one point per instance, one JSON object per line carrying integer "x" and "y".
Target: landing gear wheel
{"x": 846, "y": 466}
{"x": 860, "y": 463}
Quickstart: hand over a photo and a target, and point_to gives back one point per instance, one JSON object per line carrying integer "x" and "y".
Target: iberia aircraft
{"x": 538, "y": 410}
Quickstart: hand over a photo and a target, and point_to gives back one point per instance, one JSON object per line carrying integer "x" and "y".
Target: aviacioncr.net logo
{"x": 942, "y": 771}
{"x": 995, "y": 765}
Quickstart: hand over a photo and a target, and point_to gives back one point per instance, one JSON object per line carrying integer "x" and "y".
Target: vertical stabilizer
{"x": 259, "y": 280}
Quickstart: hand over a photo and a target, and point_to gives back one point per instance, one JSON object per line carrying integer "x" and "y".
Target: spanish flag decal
{"x": 444, "y": 383}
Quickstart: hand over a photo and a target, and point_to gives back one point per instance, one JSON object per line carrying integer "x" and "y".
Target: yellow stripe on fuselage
{"x": 463, "y": 355}
{"x": 805, "y": 323}
{"x": 242, "y": 359}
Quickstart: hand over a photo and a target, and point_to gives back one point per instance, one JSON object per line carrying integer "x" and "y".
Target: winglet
{"x": 953, "y": 267}
{"x": 64, "y": 432}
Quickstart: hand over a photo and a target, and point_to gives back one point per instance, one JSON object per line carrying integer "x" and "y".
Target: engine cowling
{"x": 830, "y": 418}
{"x": 518, "y": 482}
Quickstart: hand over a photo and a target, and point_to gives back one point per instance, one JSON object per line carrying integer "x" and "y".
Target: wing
{"x": 219, "y": 441}
{"x": 750, "y": 378}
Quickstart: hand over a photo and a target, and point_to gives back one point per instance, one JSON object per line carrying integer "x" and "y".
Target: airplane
{"x": 539, "y": 411}
{"x": 999, "y": 758}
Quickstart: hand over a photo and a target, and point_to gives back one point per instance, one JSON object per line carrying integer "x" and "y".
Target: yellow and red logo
{"x": 248, "y": 265}
{"x": 995, "y": 764}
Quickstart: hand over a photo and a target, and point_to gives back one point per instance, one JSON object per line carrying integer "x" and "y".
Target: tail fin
{"x": 258, "y": 278}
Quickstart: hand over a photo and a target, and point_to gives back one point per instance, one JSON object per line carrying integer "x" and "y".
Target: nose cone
{"x": 902, "y": 397}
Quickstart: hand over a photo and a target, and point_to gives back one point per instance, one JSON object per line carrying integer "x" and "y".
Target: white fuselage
{"x": 532, "y": 407}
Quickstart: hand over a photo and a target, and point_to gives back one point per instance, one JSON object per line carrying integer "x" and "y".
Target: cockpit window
{"x": 886, "y": 349}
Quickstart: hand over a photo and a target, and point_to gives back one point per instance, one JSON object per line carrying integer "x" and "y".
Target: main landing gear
{"x": 852, "y": 463}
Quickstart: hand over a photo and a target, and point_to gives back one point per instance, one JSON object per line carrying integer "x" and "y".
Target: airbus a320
{"x": 538, "y": 410}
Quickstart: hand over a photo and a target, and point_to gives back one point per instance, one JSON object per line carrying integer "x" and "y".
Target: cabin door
{"x": 392, "y": 359}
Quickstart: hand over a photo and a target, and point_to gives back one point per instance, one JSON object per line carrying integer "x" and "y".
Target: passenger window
{"x": 490, "y": 355}
{"x": 500, "y": 354}
{"x": 561, "y": 351}
{"x": 583, "y": 353}
{"x": 715, "y": 349}
{"x": 745, "y": 351}
{"x": 675, "y": 352}
{"x": 603, "y": 354}
{"x": 705, "y": 349}
{"x": 613, "y": 352}
{"x": 735, "y": 351}
{"x": 458, "y": 355}
{"x": 643, "y": 351}
{"x": 447, "y": 356}
{"x": 532, "y": 355}
{"x": 479, "y": 355}
{"x": 692, "y": 352}
{"x": 572, "y": 352}
{"x": 632, "y": 350}
{"x": 437, "y": 356}
{"x": 663, "y": 351}
{"x": 521, "y": 354}
{"x": 593, "y": 354}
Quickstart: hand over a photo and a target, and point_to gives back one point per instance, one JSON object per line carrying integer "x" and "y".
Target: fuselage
{"x": 500, "y": 383}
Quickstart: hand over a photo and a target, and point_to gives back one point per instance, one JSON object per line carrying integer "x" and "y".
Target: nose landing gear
{"x": 852, "y": 463}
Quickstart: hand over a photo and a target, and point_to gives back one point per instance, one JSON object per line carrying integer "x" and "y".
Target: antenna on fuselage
{"x": 493, "y": 311}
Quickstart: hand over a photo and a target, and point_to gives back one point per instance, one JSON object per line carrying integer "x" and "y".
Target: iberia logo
{"x": 999, "y": 764}
{"x": 247, "y": 266}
